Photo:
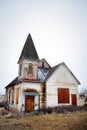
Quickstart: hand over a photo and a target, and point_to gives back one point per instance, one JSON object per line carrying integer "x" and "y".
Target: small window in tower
{"x": 30, "y": 69}
{"x": 43, "y": 64}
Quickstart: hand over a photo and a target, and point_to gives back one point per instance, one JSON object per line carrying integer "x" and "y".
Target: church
{"x": 38, "y": 85}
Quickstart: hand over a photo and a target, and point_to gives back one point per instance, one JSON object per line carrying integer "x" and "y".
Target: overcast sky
{"x": 58, "y": 29}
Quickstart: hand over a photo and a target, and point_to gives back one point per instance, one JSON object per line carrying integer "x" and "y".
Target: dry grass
{"x": 67, "y": 121}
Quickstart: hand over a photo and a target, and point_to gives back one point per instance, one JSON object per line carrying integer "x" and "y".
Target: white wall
{"x": 61, "y": 78}
{"x": 24, "y": 86}
{"x": 52, "y": 94}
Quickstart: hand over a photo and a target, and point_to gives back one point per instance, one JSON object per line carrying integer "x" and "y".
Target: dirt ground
{"x": 67, "y": 121}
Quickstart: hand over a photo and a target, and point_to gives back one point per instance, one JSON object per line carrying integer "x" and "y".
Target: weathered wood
{"x": 29, "y": 103}
{"x": 63, "y": 95}
{"x": 43, "y": 96}
{"x": 74, "y": 99}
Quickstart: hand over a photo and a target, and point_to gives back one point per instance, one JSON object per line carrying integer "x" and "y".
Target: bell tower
{"x": 28, "y": 61}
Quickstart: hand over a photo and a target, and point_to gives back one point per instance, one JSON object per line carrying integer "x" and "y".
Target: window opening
{"x": 43, "y": 64}
{"x": 30, "y": 69}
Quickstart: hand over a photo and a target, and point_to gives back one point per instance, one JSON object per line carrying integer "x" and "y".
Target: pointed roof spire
{"x": 29, "y": 51}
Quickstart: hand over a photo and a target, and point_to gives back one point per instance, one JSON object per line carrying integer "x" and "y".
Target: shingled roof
{"x": 29, "y": 50}
{"x": 15, "y": 81}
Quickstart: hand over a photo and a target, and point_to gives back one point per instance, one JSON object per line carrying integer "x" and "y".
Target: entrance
{"x": 29, "y": 103}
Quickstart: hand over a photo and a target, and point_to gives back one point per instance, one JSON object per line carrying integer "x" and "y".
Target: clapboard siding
{"x": 52, "y": 95}
{"x": 61, "y": 78}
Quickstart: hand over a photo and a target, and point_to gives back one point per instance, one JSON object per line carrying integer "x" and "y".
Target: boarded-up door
{"x": 74, "y": 99}
{"x": 63, "y": 95}
{"x": 29, "y": 103}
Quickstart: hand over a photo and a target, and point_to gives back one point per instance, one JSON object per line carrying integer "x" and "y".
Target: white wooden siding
{"x": 24, "y": 86}
{"x": 61, "y": 78}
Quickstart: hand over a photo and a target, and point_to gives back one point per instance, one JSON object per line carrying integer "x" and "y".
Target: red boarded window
{"x": 63, "y": 95}
{"x": 74, "y": 99}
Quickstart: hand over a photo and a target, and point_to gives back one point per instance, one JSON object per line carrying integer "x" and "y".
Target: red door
{"x": 74, "y": 99}
{"x": 29, "y": 103}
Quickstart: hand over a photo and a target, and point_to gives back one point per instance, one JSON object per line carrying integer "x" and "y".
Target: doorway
{"x": 29, "y": 103}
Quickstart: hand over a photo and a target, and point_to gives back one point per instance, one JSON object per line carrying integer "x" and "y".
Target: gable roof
{"x": 29, "y": 50}
{"x": 47, "y": 64}
{"x": 15, "y": 81}
{"x": 51, "y": 71}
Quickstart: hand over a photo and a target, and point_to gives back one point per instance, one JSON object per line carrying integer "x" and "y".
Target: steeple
{"x": 29, "y": 51}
